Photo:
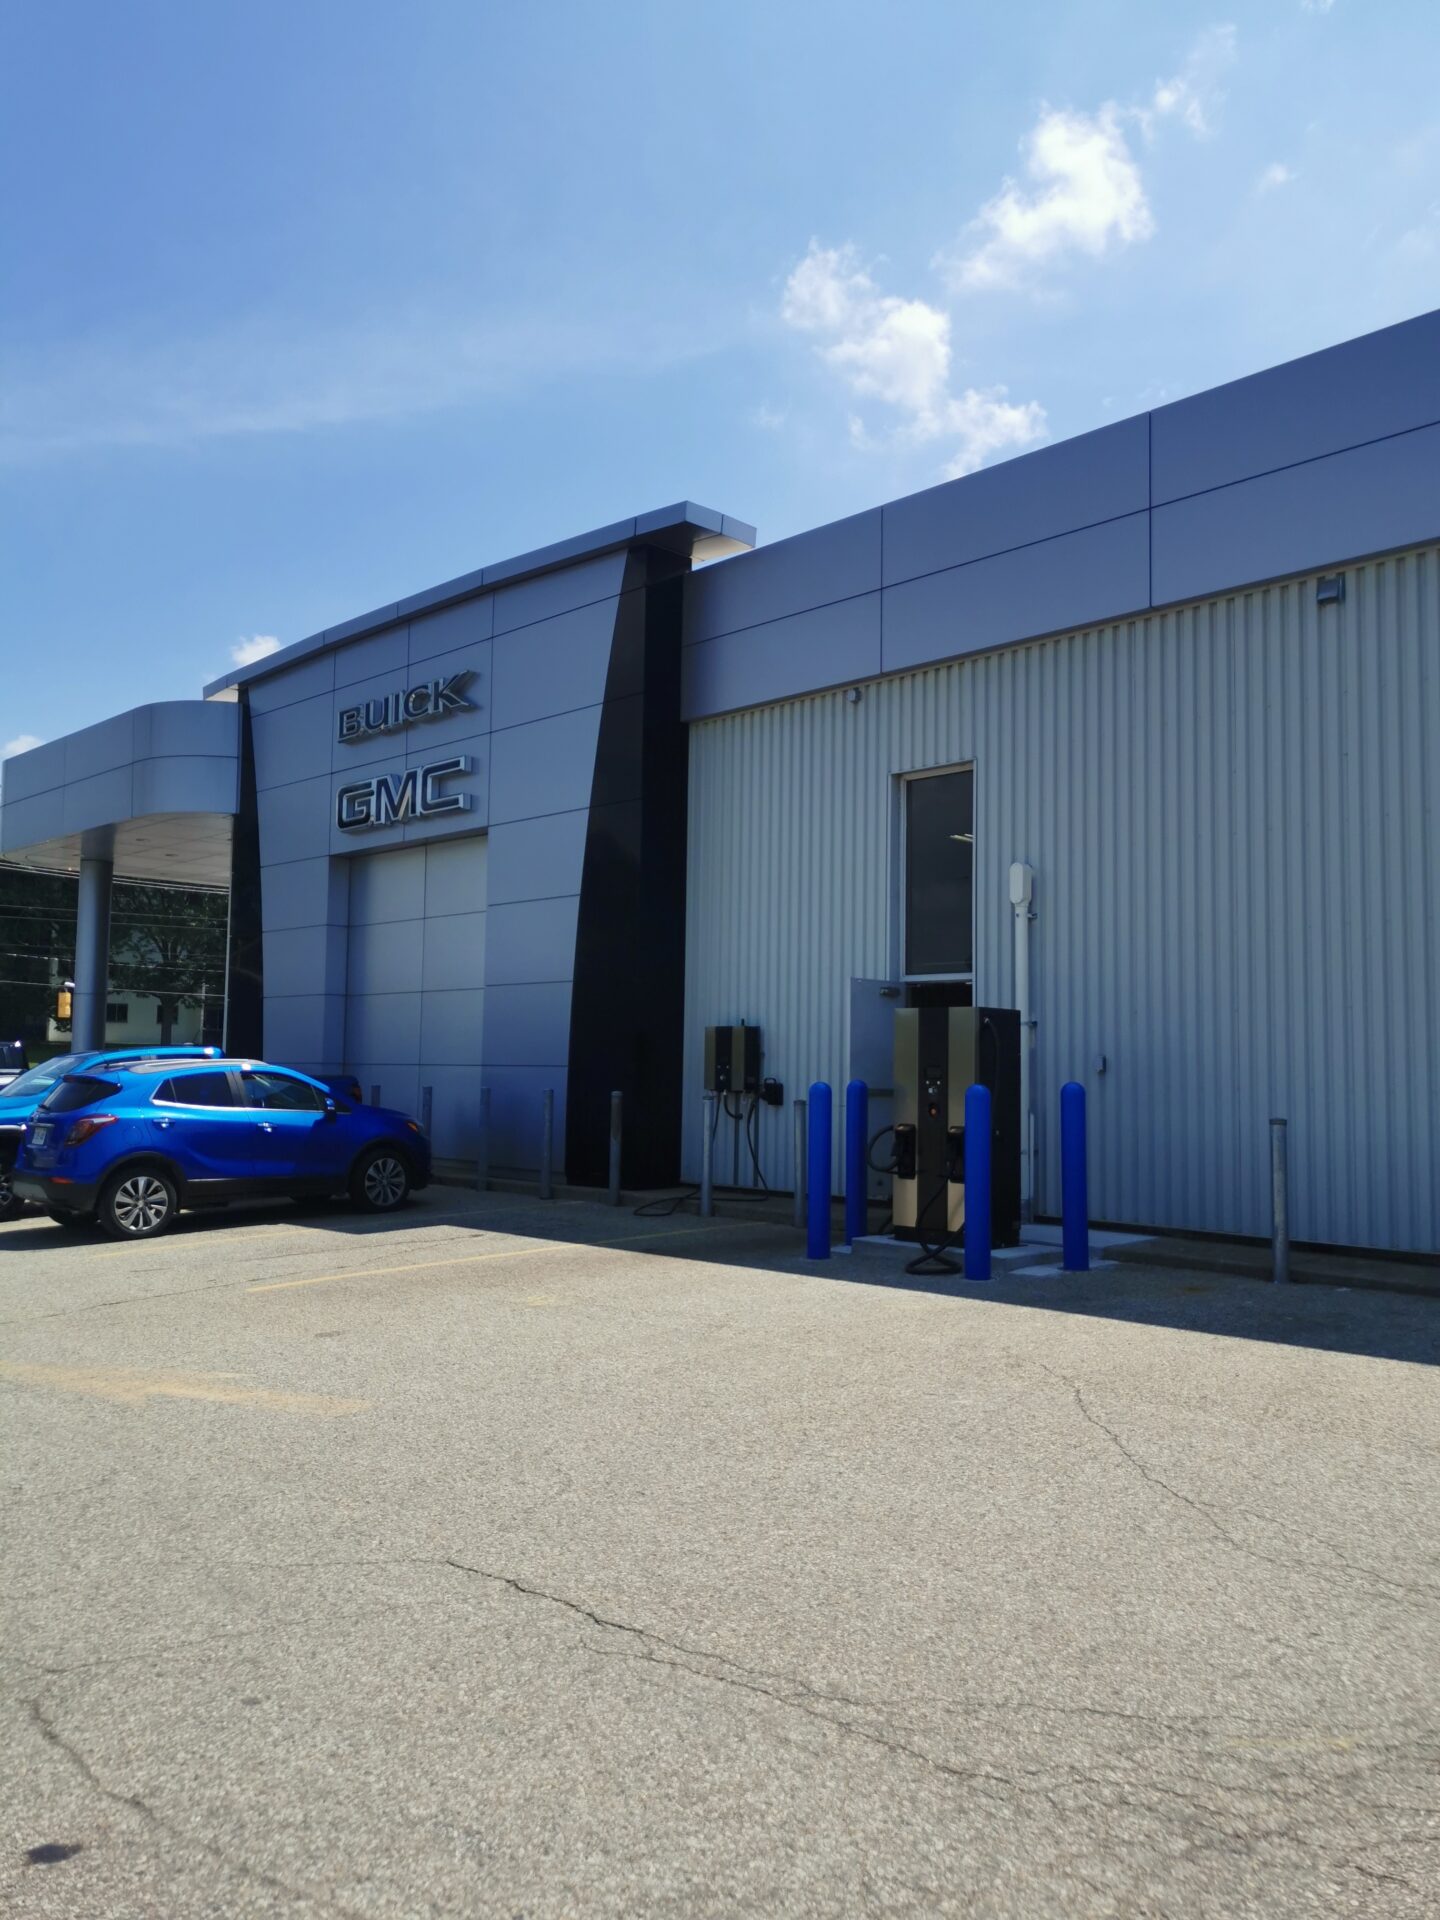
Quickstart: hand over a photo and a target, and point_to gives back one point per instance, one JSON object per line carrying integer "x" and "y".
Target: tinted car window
{"x": 280, "y": 1090}
{"x": 81, "y": 1091}
{"x": 40, "y": 1079}
{"x": 197, "y": 1090}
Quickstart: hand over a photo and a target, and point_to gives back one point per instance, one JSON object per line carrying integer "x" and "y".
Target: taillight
{"x": 81, "y": 1130}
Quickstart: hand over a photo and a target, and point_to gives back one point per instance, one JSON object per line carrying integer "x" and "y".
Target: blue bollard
{"x": 857, "y": 1121}
{"x": 817, "y": 1185}
{"x": 1074, "y": 1198}
{"x": 977, "y": 1183}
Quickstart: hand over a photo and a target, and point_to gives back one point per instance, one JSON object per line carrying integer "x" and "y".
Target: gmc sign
{"x": 392, "y": 797}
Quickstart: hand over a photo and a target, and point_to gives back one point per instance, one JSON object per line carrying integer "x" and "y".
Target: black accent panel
{"x": 997, "y": 1066}
{"x": 627, "y": 1005}
{"x": 245, "y": 983}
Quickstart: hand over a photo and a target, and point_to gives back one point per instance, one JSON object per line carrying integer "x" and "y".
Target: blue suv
{"x": 21, "y": 1096}
{"x": 129, "y": 1146}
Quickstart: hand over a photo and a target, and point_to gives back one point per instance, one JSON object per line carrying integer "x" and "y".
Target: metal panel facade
{"x": 1324, "y": 461}
{"x": 1233, "y": 813}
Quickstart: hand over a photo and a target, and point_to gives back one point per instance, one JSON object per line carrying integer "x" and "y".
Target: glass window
{"x": 117, "y": 1013}
{"x": 940, "y": 873}
{"x": 81, "y": 1091}
{"x": 197, "y": 1090}
{"x": 40, "y": 1079}
{"x": 284, "y": 1092}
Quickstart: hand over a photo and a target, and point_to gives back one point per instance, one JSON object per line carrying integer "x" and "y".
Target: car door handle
{"x": 162, "y": 1123}
{"x": 264, "y": 1126}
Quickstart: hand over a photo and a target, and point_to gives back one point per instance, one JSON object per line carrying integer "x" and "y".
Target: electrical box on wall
{"x": 939, "y": 1052}
{"x": 732, "y": 1059}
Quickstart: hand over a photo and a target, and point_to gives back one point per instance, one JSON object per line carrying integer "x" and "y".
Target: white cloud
{"x": 1316, "y": 6}
{"x": 22, "y": 743}
{"x": 265, "y": 375}
{"x": 899, "y": 353}
{"x": 1087, "y": 196}
{"x": 769, "y": 419}
{"x": 1277, "y": 174}
{"x": 1418, "y": 245}
{"x": 1083, "y": 191}
{"x": 245, "y": 653}
{"x": 1193, "y": 94}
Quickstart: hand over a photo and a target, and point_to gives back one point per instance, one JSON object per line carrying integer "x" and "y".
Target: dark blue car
{"x": 130, "y": 1146}
{"x": 20, "y": 1097}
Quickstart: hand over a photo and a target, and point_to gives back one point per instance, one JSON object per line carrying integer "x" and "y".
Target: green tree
{"x": 37, "y": 943}
{"x": 169, "y": 942}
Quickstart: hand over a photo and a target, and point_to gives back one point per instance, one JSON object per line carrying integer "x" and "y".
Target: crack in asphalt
{"x": 134, "y": 1803}
{"x": 789, "y": 1692}
{"x": 646, "y": 1634}
{"x": 800, "y": 1696}
{"x": 1386, "y": 1585}
{"x": 1105, "y": 1788}
{"x": 125, "y": 1300}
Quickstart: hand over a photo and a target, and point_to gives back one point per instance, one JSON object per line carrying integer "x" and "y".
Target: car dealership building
{"x": 1139, "y": 733}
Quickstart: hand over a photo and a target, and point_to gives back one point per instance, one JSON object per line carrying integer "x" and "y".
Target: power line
{"x": 113, "y": 986}
{"x": 116, "y": 918}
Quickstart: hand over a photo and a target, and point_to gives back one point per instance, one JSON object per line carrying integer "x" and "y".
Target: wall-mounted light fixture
{"x": 852, "y": 695}
{"x": 1329, "y": 587}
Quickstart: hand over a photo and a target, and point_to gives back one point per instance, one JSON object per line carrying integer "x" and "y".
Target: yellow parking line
{"x": 132, "y": 1387}
{"x": 504, "y": 1253}
{"x": 259, "y": 1231}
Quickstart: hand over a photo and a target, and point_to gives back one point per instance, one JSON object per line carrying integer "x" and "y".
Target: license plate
{"x": 41, "y": 1136}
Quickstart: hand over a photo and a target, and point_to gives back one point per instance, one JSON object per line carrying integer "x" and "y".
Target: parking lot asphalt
{"x": 522, "y": 1559}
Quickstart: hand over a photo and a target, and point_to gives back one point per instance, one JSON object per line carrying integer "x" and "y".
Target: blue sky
{"x": 309, "y": 307}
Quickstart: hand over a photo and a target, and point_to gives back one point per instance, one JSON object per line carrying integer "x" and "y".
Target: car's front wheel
{"x": 10, "y": 1207}
{"x": 137, "y": 1205}
{"x": 381, "y": 1181}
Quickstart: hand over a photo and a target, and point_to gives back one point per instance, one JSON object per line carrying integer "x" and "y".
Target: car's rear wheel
{"x": 381, "y": 1181}
{"x": 137, "y": 1205}
{"x": 10, "y": 1207}
{"x": 72, "y": 1222}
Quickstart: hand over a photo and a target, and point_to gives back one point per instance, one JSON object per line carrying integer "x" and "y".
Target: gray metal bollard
{"x": 616, "y": 1105}
{"x": 547, "y": 1144}
{"x": 374, "y": 1096}
{"x": 798, "y": 1212}
{"x": 482, "y": 1157}
{"x": 1279, "y": 1203}
{"x": 427, "y": 1109}
{"x": 707, "y": 1156}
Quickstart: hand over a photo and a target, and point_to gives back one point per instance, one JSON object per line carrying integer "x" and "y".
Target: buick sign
{"x": 392, "y": 797}
{"x": 430, "y": 700}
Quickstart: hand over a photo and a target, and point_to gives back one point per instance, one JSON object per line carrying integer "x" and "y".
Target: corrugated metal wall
{"x": 1233, "y": 812}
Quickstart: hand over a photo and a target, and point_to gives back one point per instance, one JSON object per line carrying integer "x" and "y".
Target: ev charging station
{"x": 939, "y": 1053}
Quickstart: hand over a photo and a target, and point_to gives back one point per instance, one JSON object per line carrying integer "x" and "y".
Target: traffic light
{"x": 62, "y": 1004}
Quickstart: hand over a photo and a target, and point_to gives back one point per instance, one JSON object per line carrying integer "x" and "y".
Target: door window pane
{"x": 282, "y": 1091}
{"x": 939, "y": 873}
{"x": 197, "y": 1090}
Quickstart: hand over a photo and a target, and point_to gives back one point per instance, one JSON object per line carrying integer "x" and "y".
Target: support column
{"x": 92, "y": 955}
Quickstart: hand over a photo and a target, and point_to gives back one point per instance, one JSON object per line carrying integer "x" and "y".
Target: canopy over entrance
{"x": 149, "y": 795}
